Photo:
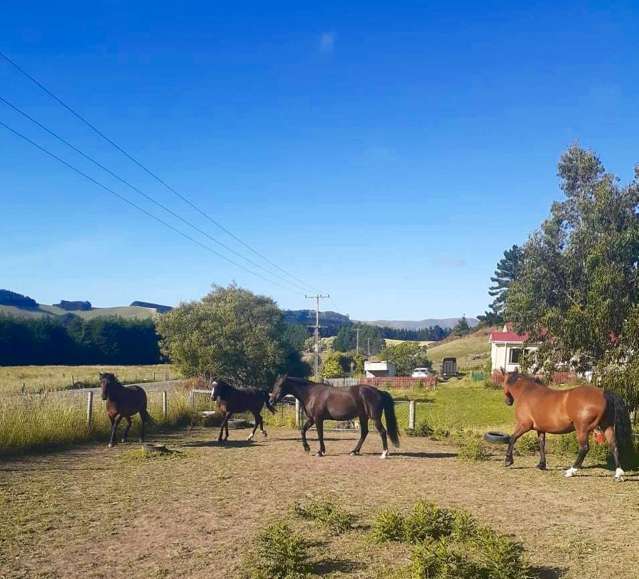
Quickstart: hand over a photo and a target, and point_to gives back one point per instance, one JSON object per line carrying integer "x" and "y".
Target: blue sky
{"x": 385, "y": 153}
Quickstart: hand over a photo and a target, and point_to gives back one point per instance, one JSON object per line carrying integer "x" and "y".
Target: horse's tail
{"x": 391, "y": 419}
{"x": 267, "y": 402}
{"x": 620, "y": 419}
{"x": 146, "y": 417}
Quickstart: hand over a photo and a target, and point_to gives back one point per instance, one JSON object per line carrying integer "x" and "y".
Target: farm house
{"x": 507, "y": 348}
{"x": 378, "y": 369}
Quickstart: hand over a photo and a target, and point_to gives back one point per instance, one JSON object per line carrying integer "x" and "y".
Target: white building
{"x": 378, "y": 369}
{"x": 507, "y": 348}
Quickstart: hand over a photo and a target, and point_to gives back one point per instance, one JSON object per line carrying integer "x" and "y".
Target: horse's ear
{"x": 503, "y": 372}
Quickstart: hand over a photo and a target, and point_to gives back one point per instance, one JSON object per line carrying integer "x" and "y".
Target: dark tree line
{"x": 434, "y": 333}
{"x": 72, "y": 340}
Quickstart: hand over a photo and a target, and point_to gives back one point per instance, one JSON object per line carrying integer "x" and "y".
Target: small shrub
{"x": 473, "y": 450}
{"x": 388, "y": 526}
{"x": 423, "y": 429}
{"x": 464, "y": 526}
{"x": 441, "y": 433}
{"x": 442, "y": 560}
{"x": 527, "y": 445}
{"x": 332, "y": 516}
{"x": 279, "y": 553}
{"x": 426, "y": 521}
{"x": 499, "y": 556}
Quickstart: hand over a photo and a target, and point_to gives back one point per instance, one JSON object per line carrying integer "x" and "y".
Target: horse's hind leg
{"x": 257, "y": 421}
{"x": 225, "y": 420}
{"x": 584, "y": 447}
{"x": 262, "y": 426}
{"x": 541, "y": 437}
{"x": 125, "y": 434}
{"x": 115, "y": 422}
{"x": 382, "y": 433}
{"x": 612, "y": 444}
{"x": 363, "y": 432}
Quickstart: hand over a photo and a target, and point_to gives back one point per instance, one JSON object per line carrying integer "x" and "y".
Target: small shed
{"x": 449, "y": 367}
{"x": 507, "y": 348}
{"x": 379, "y": 369}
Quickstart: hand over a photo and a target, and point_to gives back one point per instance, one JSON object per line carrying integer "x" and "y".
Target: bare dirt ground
{"x": 95, "y": 512}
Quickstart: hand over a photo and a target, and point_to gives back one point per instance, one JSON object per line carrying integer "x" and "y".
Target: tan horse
{"x": 581, "y": 409}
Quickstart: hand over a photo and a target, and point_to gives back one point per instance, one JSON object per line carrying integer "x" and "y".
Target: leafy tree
{"x": 576, "y": 291}
{"x": 369, "y": 336}
{"x": 461, "y": 327}
{"x": 231, "y": 333}
{"x": 506, "y": 272}
{"x": 296, "y": 335}
{"x": 406, "y": 356}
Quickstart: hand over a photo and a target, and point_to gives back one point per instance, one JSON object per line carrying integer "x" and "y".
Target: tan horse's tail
{"x": 621, "y": 419}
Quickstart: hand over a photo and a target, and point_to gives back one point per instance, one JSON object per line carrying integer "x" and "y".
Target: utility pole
{"x": 369, "y": 346}
{"x": 316, "y": 329}
{"x": 357, "y": 340}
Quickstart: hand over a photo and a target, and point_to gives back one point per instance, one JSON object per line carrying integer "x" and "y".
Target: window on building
{"x": 515, "y": 355}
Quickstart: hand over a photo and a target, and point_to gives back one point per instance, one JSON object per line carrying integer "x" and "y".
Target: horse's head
{"x": 509, "y": 378}
{"x": 217, "y": 389}
{"x": 106, "y": 380}
{"x": 280, "y": 389}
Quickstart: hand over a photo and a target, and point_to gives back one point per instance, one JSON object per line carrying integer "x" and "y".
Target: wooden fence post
{"x": 89, "y": 409}
{"x": 411, "y": 414}
{"x": 165, "y": 405}
{"x": 298, "y": 414}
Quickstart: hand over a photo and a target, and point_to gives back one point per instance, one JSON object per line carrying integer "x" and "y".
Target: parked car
{"x": 421, "y": 373}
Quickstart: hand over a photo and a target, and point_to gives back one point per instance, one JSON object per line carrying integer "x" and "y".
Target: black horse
{"x": 322, "y": 402}
{"x": 123, "y": 402}
{"x": 231, "y": 400}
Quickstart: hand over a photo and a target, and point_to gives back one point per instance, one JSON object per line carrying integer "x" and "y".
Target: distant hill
{"x": 331, "y": 322}
{"x": 446, "y": 323}
{"x": 157, "y": 307}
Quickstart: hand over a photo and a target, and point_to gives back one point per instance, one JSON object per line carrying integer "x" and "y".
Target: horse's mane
{"x": 304, "y": 381}
{"x": 513, "y": 377}
{"x": 226, "y": 386}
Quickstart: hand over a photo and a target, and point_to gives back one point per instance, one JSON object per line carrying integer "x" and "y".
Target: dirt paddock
{"x": 95, "y": 512}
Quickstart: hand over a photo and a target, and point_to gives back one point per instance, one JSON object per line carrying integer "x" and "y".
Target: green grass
{"x": 471, "y": 351}
{"x": 48, "y": 378}
{"x": 49, "y": 421}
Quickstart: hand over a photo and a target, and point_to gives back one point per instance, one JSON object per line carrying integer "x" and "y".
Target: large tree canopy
{"x": 406, "y": 356}
{"x": 233, "y": 334}
{"x": 576, "y": 290}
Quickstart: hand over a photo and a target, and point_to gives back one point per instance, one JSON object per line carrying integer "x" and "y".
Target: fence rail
{"x": 402, "y": 382}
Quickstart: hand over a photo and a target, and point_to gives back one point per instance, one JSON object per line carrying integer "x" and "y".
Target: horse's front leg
{"x": 584, "y": 447}
{"x": 541, "y": 437}
{"x": 306, "y": 426}
{"x": 319, "y": 425}
{"x": 225, "y": 420}
{"x": 611, "y": 437}
{"x": 115, "y": 421}
{"x": 256, "y": 415}
{"x": 519, "y": 430}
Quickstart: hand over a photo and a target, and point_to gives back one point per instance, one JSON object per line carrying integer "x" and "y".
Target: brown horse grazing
{"x": 581, "y": 409}
{"x": 231, "y": 400}
{"x": 322, "y": 402}
{"x": 123, "y": 402}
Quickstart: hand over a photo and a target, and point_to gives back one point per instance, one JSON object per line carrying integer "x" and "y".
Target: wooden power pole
{"x": 316, "y": 329}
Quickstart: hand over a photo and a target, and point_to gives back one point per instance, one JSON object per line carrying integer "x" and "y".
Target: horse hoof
{"x": 319, "y": 453}
{"x": 110, "y": 445}
{"x": 508, "y": 462}
{"x": 619, "y": 475}
{"x": 264, "y": 434}
{"x": 307, "y": 449}
{"x": 542, "y": 466}
{"x": 250, "y": 437}
{"x": 384, "y": 454}
{"x": 572, "y": 471}
{"x": 354, "y": 453}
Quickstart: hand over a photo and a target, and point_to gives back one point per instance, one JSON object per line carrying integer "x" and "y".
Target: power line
{"x": 133, "y": 204}
{"x": 144, "y": 168}
{"x": 142, "y": 193}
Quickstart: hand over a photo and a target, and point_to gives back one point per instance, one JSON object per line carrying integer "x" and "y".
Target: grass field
{"x": 46, "y": 378}
{"x": 129, "y": 312}
{"x": 98, "y": 512}
{"x": 471, "y": 351}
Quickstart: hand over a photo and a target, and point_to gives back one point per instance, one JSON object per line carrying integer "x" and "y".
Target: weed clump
{"x": 472, "y": 449}
{"x": 426, "y": 521}
{"x": 388, "y": 526}
{"x": 279, "y": 553}
{"x": 330, "y": 515}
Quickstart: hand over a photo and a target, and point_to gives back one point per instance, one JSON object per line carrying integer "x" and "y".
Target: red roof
{"x": 508, "y": 337}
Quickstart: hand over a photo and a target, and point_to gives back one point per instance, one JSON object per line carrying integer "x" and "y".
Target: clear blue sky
{"x": 387, "y": 153}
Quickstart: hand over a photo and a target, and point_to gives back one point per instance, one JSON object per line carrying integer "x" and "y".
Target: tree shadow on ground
{"x": 218, "y": 444}
{"x": 547, "y": 572}
{"x": 425, "y": 454}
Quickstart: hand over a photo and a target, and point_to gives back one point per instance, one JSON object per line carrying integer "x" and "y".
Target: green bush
{"x": 499, "y": 556}
{"x": 423, "y": 429}
{"x": 279, "y": 553}
{"x": 388, "y": 526}
{"x": 473, "y": 450}
{"x": 332, "y": 516}
{"x": 426, "y": 521}
{"x": 527, "y": 444}
{"x": 464, "y": 526}
{"x": 442, "y": 560}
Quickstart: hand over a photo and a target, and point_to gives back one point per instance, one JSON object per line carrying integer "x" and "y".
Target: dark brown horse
{"x": 231, "y": 400}
{"x": 322, "y": 402}
{"x": 123, "y": 402}
{"x": 581, "y": 409}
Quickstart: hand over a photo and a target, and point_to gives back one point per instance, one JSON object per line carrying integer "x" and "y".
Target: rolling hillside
{"x": 446, "y": 323}
{"x": 471, "y": 351}
{"x": 129, "y": 312}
